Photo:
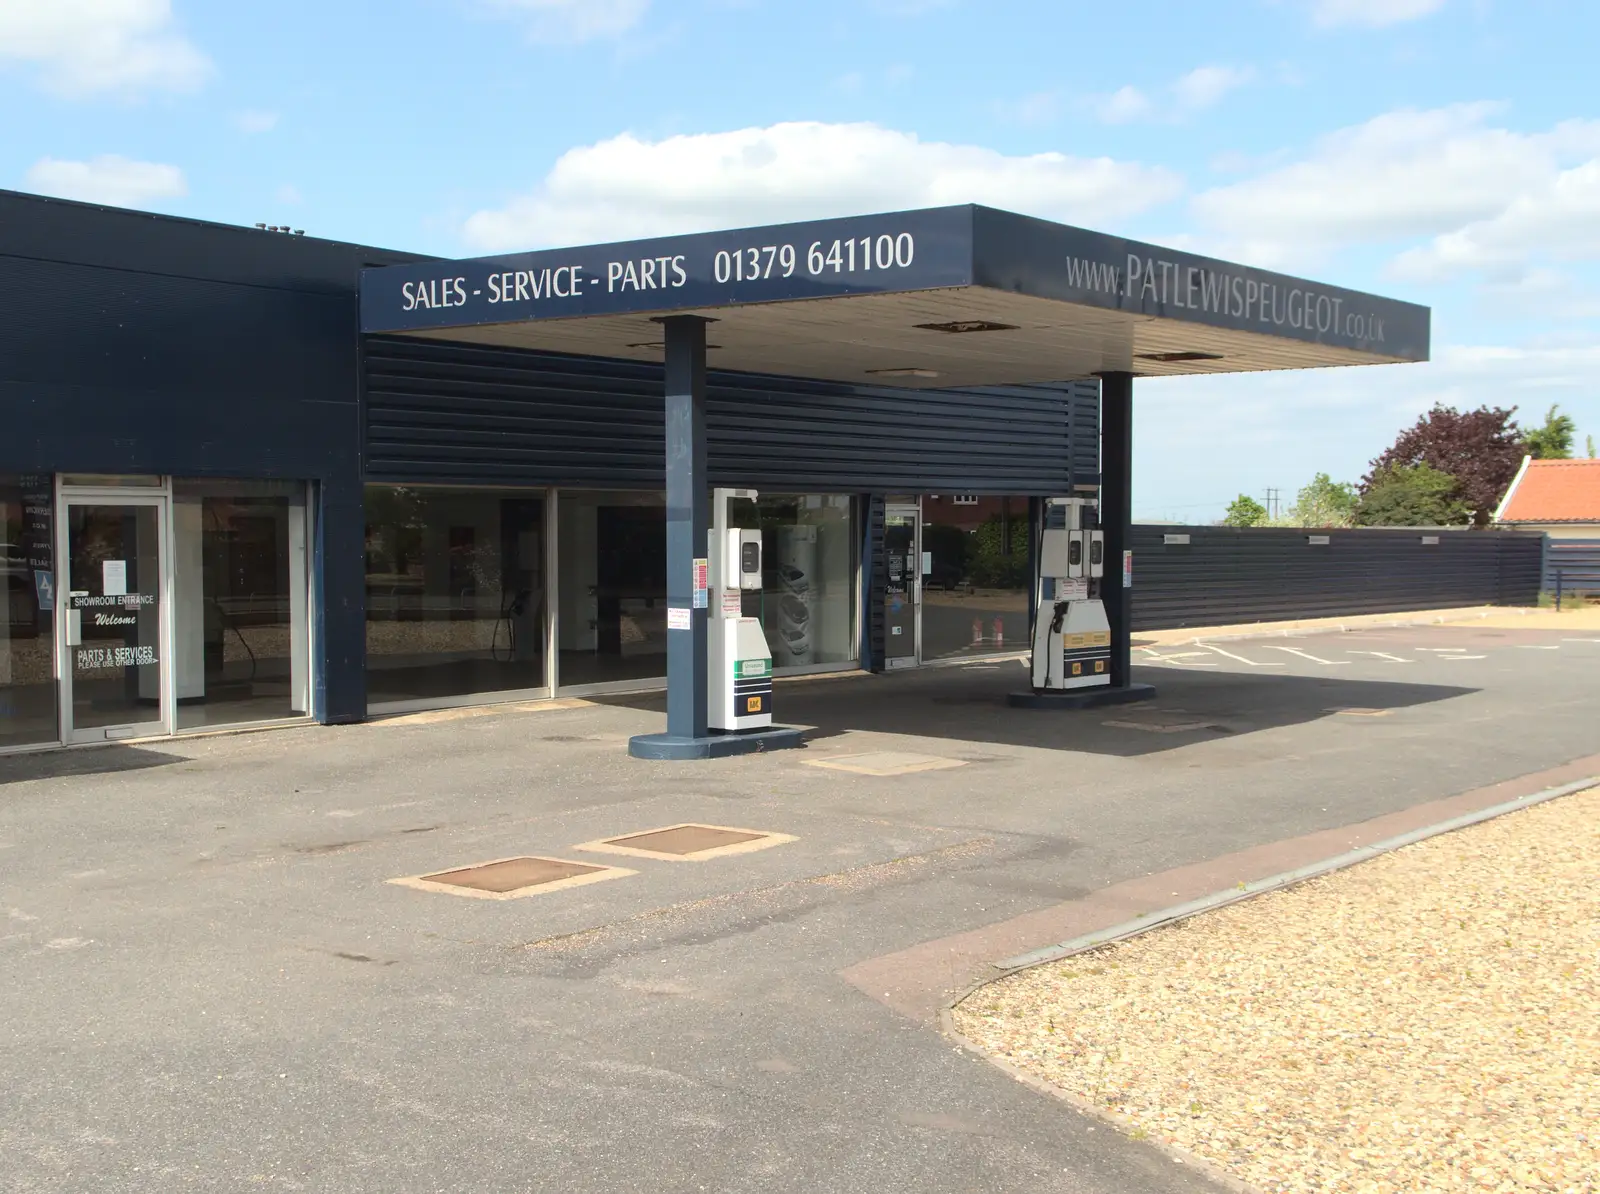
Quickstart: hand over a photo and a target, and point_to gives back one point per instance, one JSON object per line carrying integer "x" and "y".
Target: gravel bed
{"x": 1426, "y": 1021}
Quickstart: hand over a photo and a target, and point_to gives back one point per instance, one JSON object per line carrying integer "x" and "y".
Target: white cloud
{"x": 82, "y": 47}
{"x": 1122, "y": 105}
{"x": 626, "y": 187}
{"x": 571, "y": 21}
{"x": 1399, "y": 176}
{"x": 288, "y": 193}
{"x": 109, "y": 179}
{"x": 1201, "y": 88}
{"x": 1205, "y": 85}
{"x": 1372, "y": 14}
{"x": 1556, "y": 216}
{"x": 254, "y": 120}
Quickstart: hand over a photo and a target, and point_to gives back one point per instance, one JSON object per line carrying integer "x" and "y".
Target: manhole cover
{"x": 510, "y": 878}
{"x": 689, "y": 842}
{"x": 885, "y": 762}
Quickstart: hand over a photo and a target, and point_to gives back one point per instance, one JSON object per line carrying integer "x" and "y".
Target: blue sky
{"x": 1442, "y": 151}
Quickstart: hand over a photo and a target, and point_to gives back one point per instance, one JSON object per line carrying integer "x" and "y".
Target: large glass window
{"x": 807, "y": 604}
{"x": 27, "y": 638}
{"x": 240, "y": 621}
{"x": 456, "y": 592}
{"x": 975, "y": 595}
{"x": 612, "y": 623}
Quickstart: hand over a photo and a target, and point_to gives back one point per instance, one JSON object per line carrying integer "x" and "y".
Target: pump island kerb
{"x": 945, "y": 297}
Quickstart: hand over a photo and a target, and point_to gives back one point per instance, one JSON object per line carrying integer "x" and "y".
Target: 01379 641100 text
{"x": 846, "y": 255}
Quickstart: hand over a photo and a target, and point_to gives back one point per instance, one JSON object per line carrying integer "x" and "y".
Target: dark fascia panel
{"x": 35, "y": 226}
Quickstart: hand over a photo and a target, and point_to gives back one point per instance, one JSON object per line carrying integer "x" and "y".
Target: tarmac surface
{"x": 208, "y": 982}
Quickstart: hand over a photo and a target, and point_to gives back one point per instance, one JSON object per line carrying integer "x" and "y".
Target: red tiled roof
{"x": 1555, "y": 491}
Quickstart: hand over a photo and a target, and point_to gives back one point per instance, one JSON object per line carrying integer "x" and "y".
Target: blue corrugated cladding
{"x": 447, "y": 413}
{"x": 1572, "y": 565}
{"x": 1223, "y": 575}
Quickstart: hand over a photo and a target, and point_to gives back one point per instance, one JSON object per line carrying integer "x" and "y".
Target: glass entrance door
{"x": 902, "y": 604}
{"x": 112, "y": 602}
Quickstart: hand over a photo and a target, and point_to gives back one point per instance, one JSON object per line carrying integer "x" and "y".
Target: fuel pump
{"x": 739, "y": 683}
{"x": 1071, "y": 636}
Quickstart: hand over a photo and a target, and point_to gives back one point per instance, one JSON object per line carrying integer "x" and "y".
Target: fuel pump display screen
{"x": 1097, "y": 552}
{"x": 749, "y": 558}
{"x": 1075, "y": 553}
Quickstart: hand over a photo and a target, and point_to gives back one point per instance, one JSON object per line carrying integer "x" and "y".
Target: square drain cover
{"x": 510, "y": 878}
{"x": 885, "y": 762}
{"x": 689, "y": 842}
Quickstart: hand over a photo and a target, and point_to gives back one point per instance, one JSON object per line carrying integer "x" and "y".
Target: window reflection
{"x": 240, "y": 619}
{"x": 975, "y": 597}
{"x": 456, "y": 592}
{"x": 27, "y": 639}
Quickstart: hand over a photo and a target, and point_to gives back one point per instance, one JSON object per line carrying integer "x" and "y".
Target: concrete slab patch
{"x": 1160, "y": 721}
{"x": 513, "y": 878}
{"x": 1354, "y": 711}
{"x": 886, "y": 762}
{"x": 688, "y": 842}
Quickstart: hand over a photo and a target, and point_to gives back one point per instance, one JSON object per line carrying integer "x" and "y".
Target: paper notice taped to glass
{"x": 679, "y": 618}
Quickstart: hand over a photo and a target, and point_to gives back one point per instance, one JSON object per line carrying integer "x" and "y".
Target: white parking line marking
{"x": 1240, "y": 658}
{"x": 1453, "y": 658}
{"x": 1442, "y": 650}
{"x": 1311, "y": 657}
{"x": 1384, "y": 655}
{"x": 1581, "y": 640}
{"x": 1536, "y": 647}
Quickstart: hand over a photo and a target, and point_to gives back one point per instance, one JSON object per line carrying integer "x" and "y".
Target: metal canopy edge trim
{"x": 1136, "y": 299}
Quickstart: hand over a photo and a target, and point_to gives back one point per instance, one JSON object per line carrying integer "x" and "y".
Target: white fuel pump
{"x": 739, "y": 684}
{"x": 1071, "y": 636}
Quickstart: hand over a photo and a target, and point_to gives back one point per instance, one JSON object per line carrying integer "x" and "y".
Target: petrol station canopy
{"x": 949, "y": 296}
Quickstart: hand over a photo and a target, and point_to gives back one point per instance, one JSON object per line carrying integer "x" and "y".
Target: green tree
{"x": 1411, "y": 496}
{"x": 1590, "y": 441}
{"x": 1553, "y": 441}
{"x": 1245, "y": 511}
{"x": 1324, "y": 503}
{"x": 992, "y": 561}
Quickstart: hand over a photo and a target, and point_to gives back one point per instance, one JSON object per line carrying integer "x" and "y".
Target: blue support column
{"x": 688, "y": 733}
{"x": 688, "y": 521}
{"x": 1116, "y": 515}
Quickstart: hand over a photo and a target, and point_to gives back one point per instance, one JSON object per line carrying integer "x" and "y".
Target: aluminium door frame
{"x": 914, "y": 581}
{"x": 160, "y": 498}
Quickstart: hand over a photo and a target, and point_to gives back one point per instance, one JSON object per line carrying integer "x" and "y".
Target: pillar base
{"x": 714, "y": 745}
{"x": 1082, "y": 698}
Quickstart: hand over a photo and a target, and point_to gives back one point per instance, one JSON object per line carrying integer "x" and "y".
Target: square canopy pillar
{"x": 688, "y": 733}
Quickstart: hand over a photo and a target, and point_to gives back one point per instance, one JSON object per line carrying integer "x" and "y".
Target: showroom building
{"x": 223, "y": 505}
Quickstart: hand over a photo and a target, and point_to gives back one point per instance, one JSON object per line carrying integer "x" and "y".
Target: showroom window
{"x": 612, "y": 581}
{"x": 975, "y": 590}
{"x": 28, "y": 713}
{"x": 240, "y": 602}
{"x": 807, "y": 603}
{"x": 457, "y": 596}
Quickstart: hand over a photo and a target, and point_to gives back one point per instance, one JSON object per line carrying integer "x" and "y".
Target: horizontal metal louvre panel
{"x": 1576, "y": 560}
{"x": 1225, "y": 575}
{"x": 463, "y": 414}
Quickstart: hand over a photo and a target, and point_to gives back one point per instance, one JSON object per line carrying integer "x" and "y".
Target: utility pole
{"x": 1272, "y": 504}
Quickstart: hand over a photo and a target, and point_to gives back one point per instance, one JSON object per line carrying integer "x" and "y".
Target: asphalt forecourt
{"x": 1426, "y": 1020}
{"x": 485, "y": 949}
